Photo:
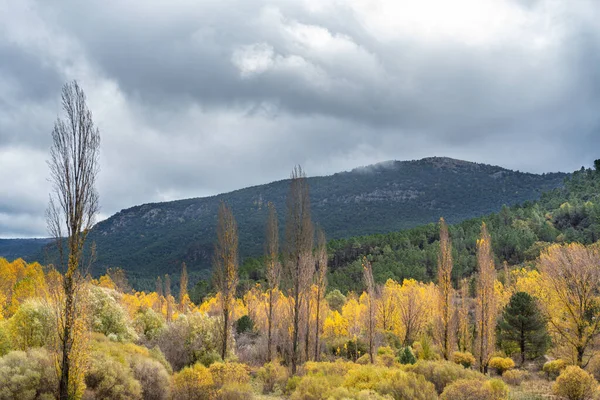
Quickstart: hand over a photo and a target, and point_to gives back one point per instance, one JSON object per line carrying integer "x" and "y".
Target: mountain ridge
{"x": 152, "y": 239}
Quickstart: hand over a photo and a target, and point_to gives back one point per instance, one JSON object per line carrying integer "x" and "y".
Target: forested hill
{"x": 154, "y": 239}
{"x": 567, "y": 214}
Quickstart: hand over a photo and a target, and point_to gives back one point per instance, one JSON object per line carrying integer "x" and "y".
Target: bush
{"x": 312, "y": 387}
{"x": 190, "y": 339}
{"x": 5, "y": 341}
{"x": 514, "y": 377}
{"x": 385, "y": 356}
{"x": 32, "y": 325}
{"x": 153, "y": 378}
{"x": 473, "y": 389}
{"x": 407, "y": 386}
{"x": 554, "y": 367}
{"x": 229, "y": 373}
{"x": 407, "y": 356}
{"x": 366, "y": 377}
{"x": 109, "y": 317}
{"x": 107, "y": 378}
{"x": 244, "y": 325}
{"x": 28, "y": 375}
{"x": 465, "y": 359}
{"x": 573, "y": 383}
{"x": 501, "y": 364}
{"x": 443, "y": 373}
{"x": 193, "y": 383}
{"x": 234, "y": 391}
{"x": 149, "y": 323}
{"x": 272, "y": 376}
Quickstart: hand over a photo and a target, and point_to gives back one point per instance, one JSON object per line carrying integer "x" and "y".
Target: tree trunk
{"x": 63, "y": 388}
{"x": 317, "y": 325}
{"x": 225, "y": 331}
{"x": 270, "y": 327}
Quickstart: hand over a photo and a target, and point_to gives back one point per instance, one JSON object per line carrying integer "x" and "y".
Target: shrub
{"x": 554, "y": 367}
{"x": 233, "y": 391}
{"x": 229, "y": 373}
{"x": 109, "y": 317}
{"x": 407, "y": 386}
{"x": 107, "y": 378}
{"x": 32, "y": 325}
{"x": 474, "y": 389}
{"x": 312, "y": 387}
{"x": 272, "y": 376}
{"x": 193, "y": 383}
{"x": 27, "y": 375}
{"x": 149, "y": 323}
{"x": 443, "y": 373}
{"x": 190, "y": 339}
{"x": 153, "y": 378}
{"x": 407, "y": 356}
{"x": 501, "y": 364}
{"x": 366, "y": 377}
{"x": 292, "y": 383}
{"x": 424, "y": 349}
{"x": 573, "y": 383}
{"x": 385, "y": 356}
{"x": 5, "y": 341}
{"x": 514, "y": 377}
{"x": 465, "y": 359}
{"x": 244, "y": 325}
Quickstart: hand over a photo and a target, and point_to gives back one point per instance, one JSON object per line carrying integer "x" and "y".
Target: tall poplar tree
{"x": 321, "y": 282}
{"x": 486, "y": 312}
{"x": 225, "y": 272}
{"x": 298, "y": 261}
{"x": 371, "y": 293}
{"x": 73, "y": 206}
{"x": 446, "y": 293}
{"x": 273, "y": 272}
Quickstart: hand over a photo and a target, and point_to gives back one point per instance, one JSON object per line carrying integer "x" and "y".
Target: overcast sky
{"x": 194, "y": 98}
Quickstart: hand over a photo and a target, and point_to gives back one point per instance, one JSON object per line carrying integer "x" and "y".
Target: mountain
{"x": 570, "y": 213}
{"x": 153, "y": 239}
{"x": 23, "y": 248}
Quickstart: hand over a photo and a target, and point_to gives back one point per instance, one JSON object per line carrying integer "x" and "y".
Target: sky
{"x": 194, "y": 98}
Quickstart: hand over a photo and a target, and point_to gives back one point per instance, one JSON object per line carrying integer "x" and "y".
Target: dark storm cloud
{"x": 195, "y": 98}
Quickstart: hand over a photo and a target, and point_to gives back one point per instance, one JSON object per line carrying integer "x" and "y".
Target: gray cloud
{"x": 196, "y": 98}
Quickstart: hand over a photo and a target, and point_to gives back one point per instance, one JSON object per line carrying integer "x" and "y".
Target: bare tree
{"x": 371, "y": 292}
{"x": 273, "y": 271}
{"x": 183, "y": 287}
{"x": 321, "y": 282}
{"x": 299, "y": 265}
{"x": 169, "y": 298}
{"x": 73, "y": 207}
{"x": 445, "y": 329}
{"x": 159, "y": 292}
{"x": 225, "y": 272}
{"x": 486, "y": 312}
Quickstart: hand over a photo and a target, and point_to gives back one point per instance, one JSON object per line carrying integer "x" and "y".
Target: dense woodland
{"x": 501, "y": 308}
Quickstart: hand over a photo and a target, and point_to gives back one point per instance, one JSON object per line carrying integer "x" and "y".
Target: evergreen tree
{"x": 522, "y": 323}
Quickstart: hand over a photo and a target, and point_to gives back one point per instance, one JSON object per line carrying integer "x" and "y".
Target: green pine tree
{"x": 522, "y": 325}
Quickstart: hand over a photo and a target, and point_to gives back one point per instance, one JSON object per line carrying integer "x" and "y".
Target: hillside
{"x": 153, "y": 239}
{"x": 567, "y": 214}
{"x": 24, "y": 248}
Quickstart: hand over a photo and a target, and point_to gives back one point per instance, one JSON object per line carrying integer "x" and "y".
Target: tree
{"x": 522, "y": 323}
{"x": 273, "y": 271}
{"x": 225, "y": 272}
{"x": 299, "y": 265}
{"x": 169, "y": 298}
{"x": 465, "y": 339}
{"x": 159, "y": 292}
{"x": 183, "y": 287}
{"x": 571, "y": 277}
{"x": 446, "y": 293}
{"x": 370, "y": 283}
{"x": 73, "y": 206}
{"x": 486, "y": 300}
{"x": 321, "y": 283}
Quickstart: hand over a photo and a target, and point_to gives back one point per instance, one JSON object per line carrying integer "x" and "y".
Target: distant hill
{"x": 21, "y": 248}
{"x": 153, "y": 239}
